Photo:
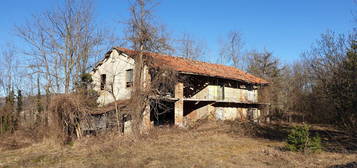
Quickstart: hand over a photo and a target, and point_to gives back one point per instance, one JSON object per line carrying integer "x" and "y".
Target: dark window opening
{"x": 252, "y": 113}
{"x": 162, "y": 113}
{"x": 129, "y": 78}
{"x": 103, "y": 79}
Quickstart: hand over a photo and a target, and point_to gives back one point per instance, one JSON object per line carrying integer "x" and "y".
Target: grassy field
{"x": 211, "y": 144}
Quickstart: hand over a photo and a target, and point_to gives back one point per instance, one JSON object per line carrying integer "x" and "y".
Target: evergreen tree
{"x": 10, "y": 99}
{"x": 7, "y": 118}
{"x": 38, "y": 101}
{"x": 266, "y": 66}
{"x": 19, "y": 104}
{"x": 342, "y": 89}
{"x": 19, "y": 101}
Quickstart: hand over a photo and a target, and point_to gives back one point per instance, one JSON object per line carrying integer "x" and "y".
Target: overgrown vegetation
{"x": 331, "y": 87}
{"x": 210, "y": 144}
{"x": 144, "y": 35}
{"x": 68, "y": 115}
{"x": 8, "y": 113}
{"x": 321, "y": 87}
{"x": 299, "y": 139}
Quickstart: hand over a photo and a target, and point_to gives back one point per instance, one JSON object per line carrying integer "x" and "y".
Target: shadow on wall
{"x": 192, "y": 106}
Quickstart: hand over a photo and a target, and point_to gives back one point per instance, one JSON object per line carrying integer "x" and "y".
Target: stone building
{"x": 203, "y": 90}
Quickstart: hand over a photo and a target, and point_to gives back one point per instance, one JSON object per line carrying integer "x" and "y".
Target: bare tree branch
{"x": 189, "y": 48}
{"x": 231, "y": 50}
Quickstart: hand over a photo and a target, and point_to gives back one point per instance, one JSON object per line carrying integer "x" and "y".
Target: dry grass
{"x": 23, "y": 137}
{"x": 212, "y": 144}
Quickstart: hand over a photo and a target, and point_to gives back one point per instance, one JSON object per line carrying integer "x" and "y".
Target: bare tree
{"x": 1, "y": 82}
{"x": 9, "y": 69}
{"x": 113, "y": 88}
{"x": 144, "y": 35}
{"x": 231, "y": 50}
{"x": 295, "y": 86}
{"x": 1, "y": 79}
{"x": 62, "y": 42}
{"x": 190, "y": 48}
{"x": 331, "y": 65}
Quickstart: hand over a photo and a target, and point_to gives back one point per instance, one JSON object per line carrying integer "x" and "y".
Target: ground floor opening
{"x": 162, "y": 113}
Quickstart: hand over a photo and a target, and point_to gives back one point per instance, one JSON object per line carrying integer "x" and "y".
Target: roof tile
{"x": 184, "y": 65}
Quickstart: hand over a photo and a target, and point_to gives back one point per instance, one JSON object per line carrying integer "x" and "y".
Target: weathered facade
{"x": 114, "y": 69}
{"x": 203, "y": 90}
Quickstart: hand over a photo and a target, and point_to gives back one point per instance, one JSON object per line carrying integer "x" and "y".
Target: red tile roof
{"x": 189, "y": 66}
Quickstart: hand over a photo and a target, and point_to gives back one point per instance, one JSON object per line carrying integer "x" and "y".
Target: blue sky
{"x": 286, "y": 27}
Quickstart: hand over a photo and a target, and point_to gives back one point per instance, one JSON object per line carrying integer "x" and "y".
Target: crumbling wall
{"x": 232, "y": 113}
{"x": 226, "y": 113}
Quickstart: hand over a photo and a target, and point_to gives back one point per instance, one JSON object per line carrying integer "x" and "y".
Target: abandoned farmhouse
{"x": 202, "y": 90}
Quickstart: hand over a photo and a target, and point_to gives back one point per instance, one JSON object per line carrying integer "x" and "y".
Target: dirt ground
{"x": 211, "y": 144}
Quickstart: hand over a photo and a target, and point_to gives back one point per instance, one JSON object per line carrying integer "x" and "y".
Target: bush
{"x": 68, "y": 114}
{"x": 299, "y": 140}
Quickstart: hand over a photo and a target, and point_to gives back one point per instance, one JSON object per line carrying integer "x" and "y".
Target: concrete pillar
{"x": 179, "y": 104}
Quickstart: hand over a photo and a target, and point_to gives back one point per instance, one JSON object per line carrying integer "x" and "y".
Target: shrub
{"x": 68, "y": 114}
{"x": 299, "y": 140}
